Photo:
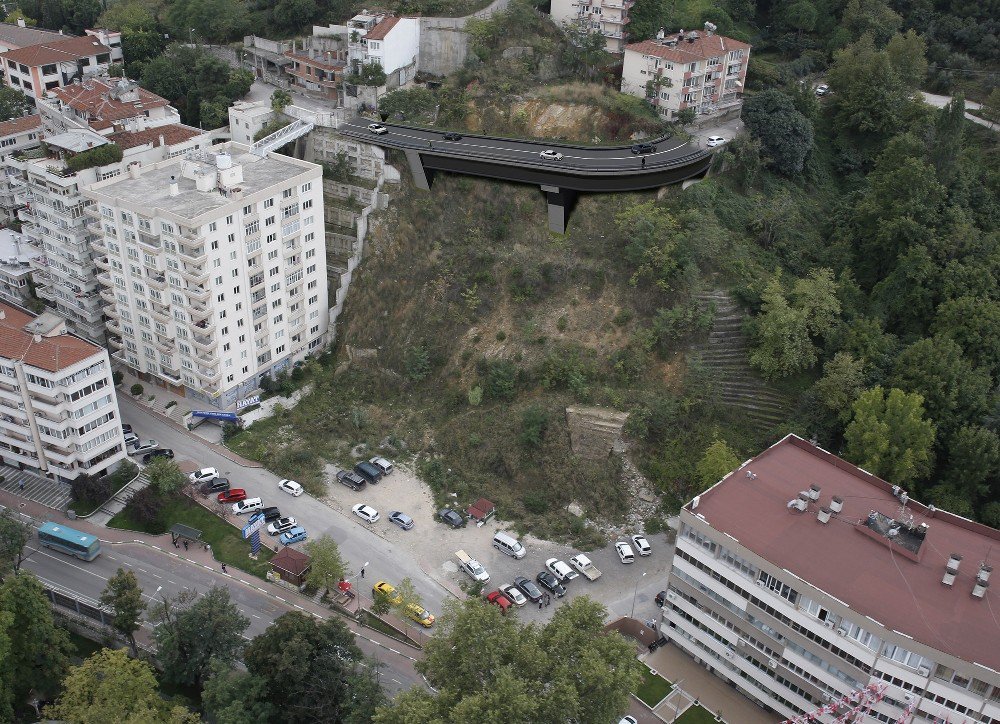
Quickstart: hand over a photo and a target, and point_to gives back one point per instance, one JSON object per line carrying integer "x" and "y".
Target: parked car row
{"x": 413, "y": 611}
{"x": 364, "y": 473}
{"x": 149, "y": 449}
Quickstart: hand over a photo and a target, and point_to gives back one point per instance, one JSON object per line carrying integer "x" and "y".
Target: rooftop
{"x": 106, "y": 100}
{"x": 382, "y": 29}
{"x": 57, "y": 51}
{"x": 22, "y": 337}
{"x": 15, "y": 36}
{"x": 163, "y": 135}
{"x": 896, "y": 582}
{"x": 19, "y": 125}
{"x": 684, "y": 50}
{"x": 15, "y": 253}
{"x": 76, "y": 141}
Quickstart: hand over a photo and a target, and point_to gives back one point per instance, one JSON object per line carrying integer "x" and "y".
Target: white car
{"x": 290, "y": 487}
{"x": 145, "y": 447}
{"x": 514, "y": 594}
{"x": 625, "y": 552}
{"x": 203, "y": 475}
{"x": 822, "y": 89}
{"x": 281, "y": 525}
{"x": 641, "y": 545}
{"x": 550, "y": 155}
{"x": 377, "y": 128}
{"x": 560, "y": 570}
{"x": 367, "y": 513}
{"x": 384, "y": 466}
{"x": 714, "y": 141}
{"x": 131, "y": 439}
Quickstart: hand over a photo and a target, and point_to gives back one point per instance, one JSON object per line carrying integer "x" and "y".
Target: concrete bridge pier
{"x": 420, "y": 175}
{"x": 561, "y": 202}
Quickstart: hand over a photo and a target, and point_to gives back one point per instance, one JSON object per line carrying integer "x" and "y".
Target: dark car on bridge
{"x": 638, "y": 148}
{"x": 452, "y": 136}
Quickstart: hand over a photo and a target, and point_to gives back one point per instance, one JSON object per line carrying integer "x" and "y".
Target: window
{"x": 782, "y": 589}
{"x": 307, "y": 187}
{"x": 268, "y": 203}
{"x": 214, "y": 226}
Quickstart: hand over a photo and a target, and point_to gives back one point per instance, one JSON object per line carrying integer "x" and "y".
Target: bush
{"x": 126, "y": 471}
{"x": 146, "y": 506}
{"x": 90, "y": 489}
{"x": 136, "y": 389}
{"x": 536, "y": 502}
{"x": 534, "y": 420}
{"x": 499, "y": 379}
{"x": 100, "y": 156}
{"x": 117, "y": 377}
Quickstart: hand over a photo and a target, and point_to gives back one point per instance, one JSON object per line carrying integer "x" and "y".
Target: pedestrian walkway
{"x": 115, "y": 505}
{"x": 38, "y": 488}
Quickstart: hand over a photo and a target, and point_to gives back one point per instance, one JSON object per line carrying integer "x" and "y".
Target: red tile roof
{"x": 382, "y": 29}
{"x": 705, "y": 47}
{"x": 171, "y": 134}
{"x": 19, "y": 125}
{"x": 94, "y": 97}
{"x": 291, "y": 561}
{"x": 56, "y": 51}
{"x": 51, "y": 353}
{"x": 903, "y": 594}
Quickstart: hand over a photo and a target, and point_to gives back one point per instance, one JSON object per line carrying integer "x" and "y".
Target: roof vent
{"x": 954, "y": 561}
{"x": 694, "y": 501}
{"x": 814, "y": 492}
{"x": 979, "y": 590}
{"x": 823, "y": 516}
{"x": 837, "y": 504}
{"x": 800, "y": 503}
{"x": 984, "y": 573}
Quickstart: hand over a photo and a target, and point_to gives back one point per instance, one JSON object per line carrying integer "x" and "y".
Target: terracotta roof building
{"x": 291, "y": 565}
{"x": 14, "y": 36}
{"x": 58, "y": 409}
{"x": 154, "y": 137}
{"x": 35, "y": 69}
{"x": 107, "y": 104}
{"x": 801, "y": 578}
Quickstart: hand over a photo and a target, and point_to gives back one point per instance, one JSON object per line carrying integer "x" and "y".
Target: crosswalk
{"x": 37, "y": 488}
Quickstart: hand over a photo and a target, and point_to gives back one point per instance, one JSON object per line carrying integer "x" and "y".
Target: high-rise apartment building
{"x": 58, "y": 410}
{"x": 607, "y": 17}
{"x": 216, "y": 268}
{"x": 801, "y": 579}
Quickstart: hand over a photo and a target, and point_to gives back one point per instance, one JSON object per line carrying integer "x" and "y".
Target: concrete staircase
{"x": 113, "y": 507}
{"x": 726, "y": 355}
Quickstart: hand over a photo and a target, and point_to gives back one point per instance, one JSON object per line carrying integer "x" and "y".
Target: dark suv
{"x": 549, "y": 582}
{"x": 271, "y": 513}
{"x": 219, "y": 485}
{"x": 350, "y": 479}
{"x": 157, "y": 454}
{"x": 450, "y": 517}
{"x": 640, "y": 148}
{"x": 368, "y": 471}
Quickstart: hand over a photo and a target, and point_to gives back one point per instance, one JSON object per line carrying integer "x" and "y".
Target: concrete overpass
{"x": 596, "y": 169}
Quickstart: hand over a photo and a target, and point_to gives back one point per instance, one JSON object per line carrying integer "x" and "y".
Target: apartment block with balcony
{"x": 607, "y": 17}
{"x": 801, "y": 579}
{"x": 17, "y": 134}
{"x": 35, "y": 69}
{"x": 58, "y": 410}
{"x": 16, "y": 256}
{"x": 701, "y": 71}
{"x": 216, "y": 268}
{"x": 104, "y": 105}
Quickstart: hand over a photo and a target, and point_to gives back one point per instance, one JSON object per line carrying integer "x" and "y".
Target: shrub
{"x": 117, "y": 377}
{"x": 476, "y": 396}
{"x": 100, "y": 156}
{"x": 417, "y": 362}
{"x": 500, "y": 379}
{"x": 536, "y": 501}
{"x": 146, "y": 506}
{"x": 534, "y": 420}
{"x": 136, "y": 389}
{"x": 91, "y": 489}
{"x": 125, "y": 472}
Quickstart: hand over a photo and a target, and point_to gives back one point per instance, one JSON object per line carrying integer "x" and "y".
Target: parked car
{"x": 162, "y": 453}
{"x": 641, "y": 545}
{"x": 293, "y": 535}
{"x": 130, "y": 438}
{"x": 127, "y": 429}
{"x": 384, "y": 466}
{"x": 628, "y": 719}
{"x": 144, "y": 447}
{"x": 550, "y": 155}
{"x": 714, "y": 141}
{"x": 560, "y": 570}
{"x": 472, "y": 567}
{"x": 281, "y": 525}
{"x": 420, "y": 614}
{"x": 219, "y": 485}
{"x": 625, "y": 552}
{"x": 367, "y": 513}
{"x": 232, "y": 496}
{"x": 822, "y": 89}
{"x": 549, "y": 582}
{"x": 528, "y": 588}
{"x": 452, "y": 136}
{"x": 377, "y": 128}
{"x": 271, "y": 513}
{"x": 401, "y": 519}
{"x": 203, "y": 475}
{"x": 500, "y": 600}
{"x": 351, "y": 479}
{"x": 387, "y": 591}
{"x": 368, "y": 471}
{"x": 638, "y": 148}
{"x": 661, "y": 598}
{"x": 290, "y": 487}
{"x": 249, "y": 505}
{"x": 452, "y": 518}
{"x": 514, "y": 594}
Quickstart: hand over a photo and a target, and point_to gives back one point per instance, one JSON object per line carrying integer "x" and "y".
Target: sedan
{"x": 218, "y": 485}
{"x": 351, "y": 479}
{"x": 377, "y": 128}
{"x": 452, "y": 136}
{"x": 131, "y": 438}
{"x": 232, "y": 496}
{"x": 513, "y": 594}
{"x": 290, "y": 487}
{"x": 401, "y": 519}
{"x": 822, "y": 89}
{"x": 528, "y": 588}
{"x": 148, "y": 457}
{"x": 203, "y": 475}
{"x": 449, "y": 516}
{"x": 550, "y": 583}
{"x": 293, "y": 535}
{"x": 638, "y": 148}
{"x": 641, "y": 545}
{"x": 714, "y": 141}
{"x": 550, "y": 155}
{"x": 281, "y": 525}
{"x": 420, "y": 614}
{"x": 387, "y": 591}
{"x": 367, "y": 513}
{"x": 498, "y": 599}
{"x": 145, "y": 447}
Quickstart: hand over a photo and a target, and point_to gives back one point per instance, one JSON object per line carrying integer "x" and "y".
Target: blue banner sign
{"x": 212, "y": 415}
{"x": 255, "y": 543}
{"x": 254, "y": 523}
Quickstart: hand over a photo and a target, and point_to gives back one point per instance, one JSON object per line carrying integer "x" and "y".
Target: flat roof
{"x": 843, "y": 558}
{"x": 16, "y": 253}
{"x": 77, "y": 140}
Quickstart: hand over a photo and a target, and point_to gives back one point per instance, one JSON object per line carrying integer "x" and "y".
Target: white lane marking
{"x": 67, "y": 563}
{"x": 255, "y": 615}
{"x": 144, "y": 570}
{"x": 173, "y": 582}
{"x": 125, "y": 563}
{"x": 156, "y": 576}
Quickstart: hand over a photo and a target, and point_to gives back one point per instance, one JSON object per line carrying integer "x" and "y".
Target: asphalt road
{"x": 587, "y": 159}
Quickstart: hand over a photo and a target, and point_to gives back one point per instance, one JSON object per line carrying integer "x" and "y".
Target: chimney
{"x": 823, "y": 516}
{"x": 3, "y": 314}
{"x": 837, "y": 504}
{"x": 36, "y": 337}
{"x": 174, "y": 188}
{"x": 163, "y": 141}
{"x": 814, "y": 492}
{"x": 979, "y": 590}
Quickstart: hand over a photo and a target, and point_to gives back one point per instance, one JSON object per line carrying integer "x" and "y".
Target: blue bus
{"x": 84, "y": 546}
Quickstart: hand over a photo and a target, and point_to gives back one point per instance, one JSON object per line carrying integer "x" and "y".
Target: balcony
{"x": 210, "y": 376}
{"x": 99, "y": 246}
{"x": 207, "y": 358}
{"x": 109, "y": 296}
{"x": 164, "y": 343}
{"x": 158, "y": 281}
{"x": 170, "y": 374}
{"x": 206, "y": 328}
{"x": 105, "y": 279}
{"x": 160, "y": 312}
{"x": 199, "y": 312}
{"x": 114, "y": 327}
{"x": 194, "y": 274}
{"x": 93, "y": 212}
{"x": 56, "y": 408}
{"x": 101, "y": 262}
{"x": 115, "y": 342}
{"x": 200, "y": 294}
{"x": 204, "y": 344}
{"x": 151, "y": 241}
{"x": 196, "y": 257}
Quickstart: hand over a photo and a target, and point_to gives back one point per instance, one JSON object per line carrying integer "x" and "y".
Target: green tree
{"x": 14, "y": 536}
{"x": 37, "y": 651}
{"x": 123, "y": 596}
{"x": 869, "y": 96}
{"x": 213, "y": 21}
{"x": 327, "y": 567}
{"x": 973, "y": 463}
{"x": 944, "y": 152}
{"x": 974, "y": 323}
{"x": 907, "y": 55}
{"x": 139, "y": 46}
{"x": 815, "y": 296}
{"x": 801, "y": 16}
{"x": 786, "y": 135}
{"x": 191, "y": 631}
{"x": 500, "y": 380}
{"x": 991, "y": 107}
{"x": 871, "y": 17}
{"x": 718, "y": 461}
{"x": 165, "y": 476}
{"x": 313, "y": 670}
{"x": 18, "y": 14}
{"x": 407, "y": 103}
{"x": 889, "y": 436}
{"x": 534, "y": 421}
{"x": 649, "y": 234}
{"x": 108, "y": 687}
{"x": 280, "y": 99}
{"x": 585, "y": 50}
{"x": 842, "y": 382}
{"x": 781, "y": 343}
{"x": 369, "y": 74}
{"x": 13, "y": 103}
{"x": 127, "y": 15}
{"x": 236, "y": 697}
{"x": 292, "y": 16}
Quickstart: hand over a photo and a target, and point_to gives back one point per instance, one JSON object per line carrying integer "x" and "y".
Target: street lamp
{"x": 635, "y": 593}
{"x": 192, "y": 36}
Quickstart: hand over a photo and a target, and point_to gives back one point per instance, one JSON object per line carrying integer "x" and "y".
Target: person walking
{"x": 644, "y": 162}
{"x": 185, "y": 545}
{"x": 224, "y": 568}
{"x": 20, "y": 486}
{"x": 540, "y": 604}
{"x": 362, "y": 572}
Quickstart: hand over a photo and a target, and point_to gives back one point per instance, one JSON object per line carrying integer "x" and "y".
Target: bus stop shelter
{"x": 179, "y": 531}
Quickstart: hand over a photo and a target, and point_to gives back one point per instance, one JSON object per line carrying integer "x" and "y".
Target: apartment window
{"x": 229, "y": 219}
{"x": 214, "y": 226}
{"x": 229, "y": 378}
{"x": 214, "y": 245}
{"x": 286, "y": 193}
{"x": 310, "y": 269}
{"x": 273, "y": 254}
{"x": 307, "y": 187}
{"x": 905, "y": 657}
{"x": 313, "y": 299}
{"x": 243, "y": 338}
{"x": 269, "y": 221}
{"x": 221, "y": 297}
{"x": 225, "y": 347}
{"x": 268, "y": 203}
{"x": 782, "y": 589}
{"x": 247, "y": 210}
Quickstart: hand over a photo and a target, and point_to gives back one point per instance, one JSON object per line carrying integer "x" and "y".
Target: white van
{"x": 247, "y": 506}
{"x": 509, "y": 544}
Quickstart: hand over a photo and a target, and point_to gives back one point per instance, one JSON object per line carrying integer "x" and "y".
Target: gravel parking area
{"x": 434, "y": 545}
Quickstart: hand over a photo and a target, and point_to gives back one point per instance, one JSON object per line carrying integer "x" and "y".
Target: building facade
{"x": 701, "y": 71}
{"x": 58, "y": 410}
{"x": 104, "y": 105}
{"x": 16, "y": 256}
{"x": 217, "y": 269}
{"x": 801, "y": 579}
{"x": 607, "y": 17}
{"x": 35, "y": 69}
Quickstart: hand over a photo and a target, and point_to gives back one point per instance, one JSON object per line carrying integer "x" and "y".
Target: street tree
{"x": 14, "y": 536}
{"x": 889, "y": 435}
{"x": 327, "y": 566}
{"x": 280, "y": 99}
{"x": 407, "y": 103}
{"x": 785, "y": 134}
{"x": 165, "y": 476}
{"x": 13, "y": 103}
{"x": 718, "y": 460}
{"x": 235, "y": 697}
{"x": 191, "y": 631}
{"x": 123, "y": 596}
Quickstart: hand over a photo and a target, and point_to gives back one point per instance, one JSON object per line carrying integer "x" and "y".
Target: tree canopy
{"x": 889, "y": 435}
{"x": 785, "y": 134}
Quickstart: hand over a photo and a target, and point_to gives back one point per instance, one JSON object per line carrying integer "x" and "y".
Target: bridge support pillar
{"x": 560, "y": 202}
{"x": 420, "y": 177}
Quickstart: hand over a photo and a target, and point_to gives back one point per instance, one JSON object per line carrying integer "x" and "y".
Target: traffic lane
{"x": 358, "y": 544}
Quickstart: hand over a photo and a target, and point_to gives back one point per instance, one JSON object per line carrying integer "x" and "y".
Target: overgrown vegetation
{"x": 100, "y": 156}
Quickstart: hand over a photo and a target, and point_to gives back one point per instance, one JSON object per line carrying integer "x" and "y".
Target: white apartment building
{"x": 35, "y": 69}
{"x": 394, "y": 43}
{"x": 607, "y": 17}
{"x": 217, "y": 269}
{"x": 58, "y": 410}
{"x": 16, "y": 255}
{"x": 247, "y": 118}
{"x": 702, "y": 71}
{"x": 800, "y": 579}
{"x": 17, "y": 134}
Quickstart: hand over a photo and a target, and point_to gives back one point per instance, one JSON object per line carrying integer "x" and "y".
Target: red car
{"x": 233, "y": 496}
{"x": 498, "y": 599}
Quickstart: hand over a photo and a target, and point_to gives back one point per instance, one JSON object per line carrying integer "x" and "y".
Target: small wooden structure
{"x": 482, "y": 510}
{"x": 291, "y": 565}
